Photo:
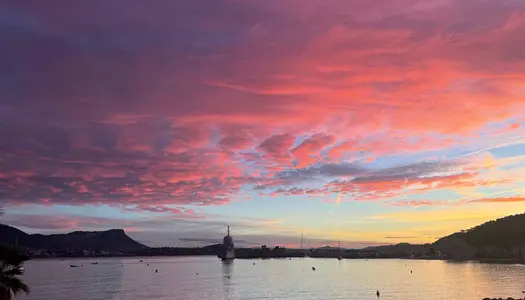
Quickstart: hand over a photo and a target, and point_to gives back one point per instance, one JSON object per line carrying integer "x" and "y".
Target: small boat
{"x": 73, "y": 266}
{"x": 141, "y": 260}
{"x": 95, "y": 263}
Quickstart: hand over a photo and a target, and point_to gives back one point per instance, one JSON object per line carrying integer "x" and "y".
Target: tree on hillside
{"x": 11, "y": 261}
{"x": 505, "y": 232}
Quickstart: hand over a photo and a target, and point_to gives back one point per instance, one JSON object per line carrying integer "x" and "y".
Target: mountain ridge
{"x": 500, "y": 238}
{"x": 503, "y": 238}
{"x": 108, "y": 240}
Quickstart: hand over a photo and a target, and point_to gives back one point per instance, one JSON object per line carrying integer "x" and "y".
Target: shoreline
{"x": 483, "y": 261}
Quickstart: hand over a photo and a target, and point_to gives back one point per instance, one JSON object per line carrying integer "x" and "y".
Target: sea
{"x": 206, "y": 277}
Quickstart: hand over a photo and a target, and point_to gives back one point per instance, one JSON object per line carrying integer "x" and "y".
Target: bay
{"x": 203, "y": 278}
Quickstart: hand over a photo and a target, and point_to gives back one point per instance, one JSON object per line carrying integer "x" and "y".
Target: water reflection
{"x": 177, "y": 279}
{"x": 63, "y": 282}
{"x": 227, "y": 274}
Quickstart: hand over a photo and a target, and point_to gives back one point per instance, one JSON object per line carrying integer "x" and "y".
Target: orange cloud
{"x": 500, "y": 200}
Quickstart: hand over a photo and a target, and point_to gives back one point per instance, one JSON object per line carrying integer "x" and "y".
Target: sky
{"x": 368, "y": 122}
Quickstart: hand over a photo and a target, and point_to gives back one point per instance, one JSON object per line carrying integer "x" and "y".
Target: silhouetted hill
{"x": 109, "y": 240}
{"x": 399, "y": 250}
{"x": 501, "y": 238}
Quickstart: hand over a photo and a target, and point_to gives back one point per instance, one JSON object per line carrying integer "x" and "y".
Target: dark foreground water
{"x": 203, "y": 278}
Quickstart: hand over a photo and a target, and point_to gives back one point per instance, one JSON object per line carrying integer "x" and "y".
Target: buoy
{"x": 377, "y": 293}
{"x": 410, "y": 271}
{"x": 228, "y": 277}
{"x": 197, "y": 273}
{"x": 313, "y": 268}
{"x": 156, "y": 270}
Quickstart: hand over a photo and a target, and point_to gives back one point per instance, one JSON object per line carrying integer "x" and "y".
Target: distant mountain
{"x": 399, "y": 250}
{"x": 109, "y": 240}
{"x": 502, "y": 238}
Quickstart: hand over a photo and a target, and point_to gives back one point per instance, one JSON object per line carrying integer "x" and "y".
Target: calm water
{"x": 128, "y": 279}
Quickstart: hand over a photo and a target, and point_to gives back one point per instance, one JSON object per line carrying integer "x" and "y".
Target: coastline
{"x": 503, "y": 261}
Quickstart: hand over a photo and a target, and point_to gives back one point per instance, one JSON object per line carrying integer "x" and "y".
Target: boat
{"x": 227, "y": 252}
{"x": 95, "y": 263}
{"x": 73, "y": 266}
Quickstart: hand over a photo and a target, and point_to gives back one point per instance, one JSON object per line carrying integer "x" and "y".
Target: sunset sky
{"x": 372, "y": 122}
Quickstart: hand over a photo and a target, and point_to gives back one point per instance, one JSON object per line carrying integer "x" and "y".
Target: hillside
{"x": 501, "y": 238}
{"x": 109, "y": 240}
{"x": 400, "y": 250}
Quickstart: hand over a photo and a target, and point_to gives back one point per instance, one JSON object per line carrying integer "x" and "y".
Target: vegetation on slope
{"x": 501, "y": 238}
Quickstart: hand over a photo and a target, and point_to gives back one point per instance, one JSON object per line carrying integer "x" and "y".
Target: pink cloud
{"x": 234, "y": 142}
{"x": 176, "y": 212}
{"x": 183, "y": 123}
{"x": 277, "y": 148}
{"x": 418, "y": 203}
{"x": 308, "y": 151}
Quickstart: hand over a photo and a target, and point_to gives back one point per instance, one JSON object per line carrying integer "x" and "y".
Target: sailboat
{"x": 339, "y": 250}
